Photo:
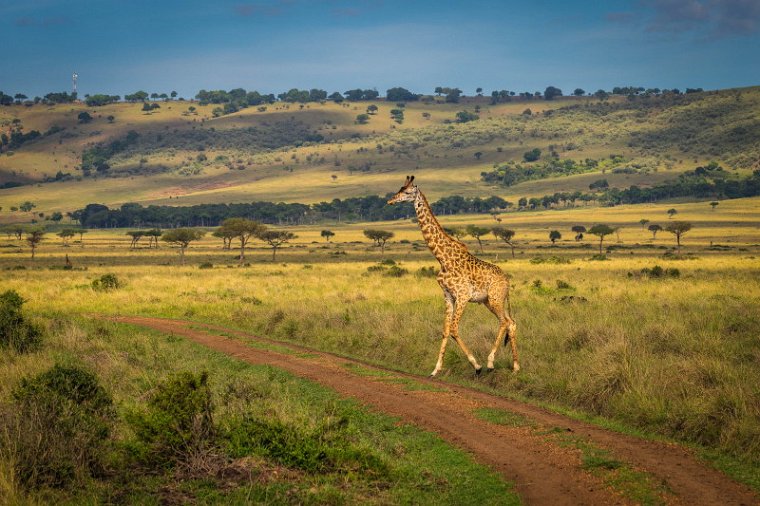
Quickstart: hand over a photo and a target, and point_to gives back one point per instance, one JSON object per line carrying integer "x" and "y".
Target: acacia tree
{"x": 225, "y": 235}
{"x": 654, "y": 229}
{"x": 276, "y": 238}
{"x": 380, "y": 237}
{"x": 714, "y": 204}
{"x": 554, "y": 235}
{"x": 672, "y": 212}
{"x": 327, "y": 234}
{"x": 505, "y": 235}
{"x": 477, "y": 232}
{"x": 579, "y": 231}
{"x": 600, "y": 231}
{"x": 454, "y": 232}
{"x": 81, "y": 232}
{"x": 643, "y": 222}
{"x": 66, "y": 234}
{"x": 34, "y": 237}
{"x": 182, "y": 237}
{"x": 243, "y": 229}
{"x": 678, "y": 228}
{"x": 153, "y": 234}
{"x": 135, "y": 235}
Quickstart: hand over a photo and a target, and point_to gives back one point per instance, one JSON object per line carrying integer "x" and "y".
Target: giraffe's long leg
{"x": 449, "y": 299}
{"x": 458, "y": 311}
{"x": 507, "y": 326}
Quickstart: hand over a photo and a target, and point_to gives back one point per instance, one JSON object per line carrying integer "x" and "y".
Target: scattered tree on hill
{"x": 27, "y": 206}
{"x": 532, "y": 155}
{"x": 466, "y": 116}
{"x": 276, "y": 238}
{"x": 654, "y": 229}
{"x": 551, "y": 93}
{"x": 379, "y": 236}
{"x": 643, "y": 222}
{"x": 362, "y": 119}
{"x": 84, "y": 117}
{"x": 579, "y": 231}
{"x": 714, "y": 204}
{"x": 372, "y": 109}
{"x": 505, "y": 235}
{"x": 672, "y": 212}
{"x": 554, "y": 235}
{"x": 399, "y": 94}
{"x": 81, "y": 232}
{"x": 477, "y": 232}
{"x": 34, "y": 237}
{"x": 327, "y": 234}
{"x": 243, "y": 229}
{"x": 678, "y": 228}
{"x": 182, "y": 237}
{"x": 579, "y": 92}
{"x": 601, "y": 231}
{"x": 599, "y": 184}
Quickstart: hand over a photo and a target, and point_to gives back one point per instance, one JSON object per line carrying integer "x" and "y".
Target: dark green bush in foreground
{"x": 15, "y": 331}
{"x": 56, "y": 429}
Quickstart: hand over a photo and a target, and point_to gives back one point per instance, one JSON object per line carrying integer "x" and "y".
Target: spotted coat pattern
{"x": 463, "y": 278}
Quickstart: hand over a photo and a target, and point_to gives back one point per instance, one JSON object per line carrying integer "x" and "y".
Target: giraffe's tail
{"x": 509, "y": 315}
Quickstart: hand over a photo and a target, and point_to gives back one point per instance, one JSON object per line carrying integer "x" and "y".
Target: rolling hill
{"x": 180, "y": 154}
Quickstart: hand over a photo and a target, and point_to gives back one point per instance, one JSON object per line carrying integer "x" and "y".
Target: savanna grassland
{"x": 644, "y": 339}
{"x": 666, "y": 355}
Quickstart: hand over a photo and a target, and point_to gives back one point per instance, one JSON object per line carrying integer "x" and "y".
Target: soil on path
{"x": 543, "y": 471}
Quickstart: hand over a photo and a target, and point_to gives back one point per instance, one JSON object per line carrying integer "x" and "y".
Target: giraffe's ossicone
{"x": 464, "y": 278}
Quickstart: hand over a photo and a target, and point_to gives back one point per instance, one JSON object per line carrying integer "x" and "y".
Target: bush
{"x": 659, "y": 272}
{"x": 16, "y": 332}
{"x": 57, "y": 432}
{"x": 395, "y": 272}
{"x": 206, "y": 265}
{"x": 177, "y": 424}
{"x": 427, "y": 272}
{"x": 325, "y": 449}
{"x": 106, "y": 282}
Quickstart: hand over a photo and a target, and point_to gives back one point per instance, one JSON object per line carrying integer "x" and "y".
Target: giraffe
{"x": 463, "y": 278}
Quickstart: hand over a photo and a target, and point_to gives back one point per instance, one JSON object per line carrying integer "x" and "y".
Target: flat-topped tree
{"x": 505, "y": 235}
{"x": 579, "y": 231}
{"x": 380, "y": 237}
{"x": 600, "y": 231}
{"x": 327, "y": 234}
{"x": 136, "y": 235}
{"x": 678, "y": 228}
{"x": 182, "y": 237}
{"x": 477, "y": 232}
{"x": 66, "y": 234}
{"x": 276, "y": 238}
{"x": 672, "y": 212}
{"x": 242, "y": 229}
{"x": 153, "y": 234}
{"x": 554, "y": 235}
{"x": 654, "y": 228}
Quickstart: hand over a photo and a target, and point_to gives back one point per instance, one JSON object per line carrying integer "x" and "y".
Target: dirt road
{"x": 543, "y": 467}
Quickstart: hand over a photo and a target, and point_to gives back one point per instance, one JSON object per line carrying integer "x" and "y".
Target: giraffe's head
{"x": 407, "y": 193}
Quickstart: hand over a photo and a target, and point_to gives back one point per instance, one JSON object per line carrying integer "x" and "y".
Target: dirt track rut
{"x": 543, "y": 471}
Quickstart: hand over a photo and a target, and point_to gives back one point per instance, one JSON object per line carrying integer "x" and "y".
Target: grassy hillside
{"x": 314, "y": 152}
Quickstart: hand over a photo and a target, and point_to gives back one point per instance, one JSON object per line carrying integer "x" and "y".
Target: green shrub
{"x": 106, "y": 282}
{"x": 396, "y": 272}
{"x": 326, "y": 449}
{"x": 659, "y": 272}
{"x": 427, "y": 272}
{"x": 57, "y": 432}
{"x": 206, "y": 265}
{"x": 16, "y": 332}
{"x": 177, "y": 423}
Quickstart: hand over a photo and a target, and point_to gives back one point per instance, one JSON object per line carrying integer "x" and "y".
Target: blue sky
{"x": 121, "y": 46}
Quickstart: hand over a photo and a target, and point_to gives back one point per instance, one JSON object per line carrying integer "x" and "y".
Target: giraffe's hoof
{"x": 489, "y": 369}
{"x": 478, "y": 371}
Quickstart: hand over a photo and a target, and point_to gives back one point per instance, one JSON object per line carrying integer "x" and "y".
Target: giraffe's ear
{"x": 408, "y": 180}
{"x": 411, "y": 178}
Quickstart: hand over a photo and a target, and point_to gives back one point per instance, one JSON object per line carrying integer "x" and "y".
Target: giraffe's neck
{"x": 437, "y": 240}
